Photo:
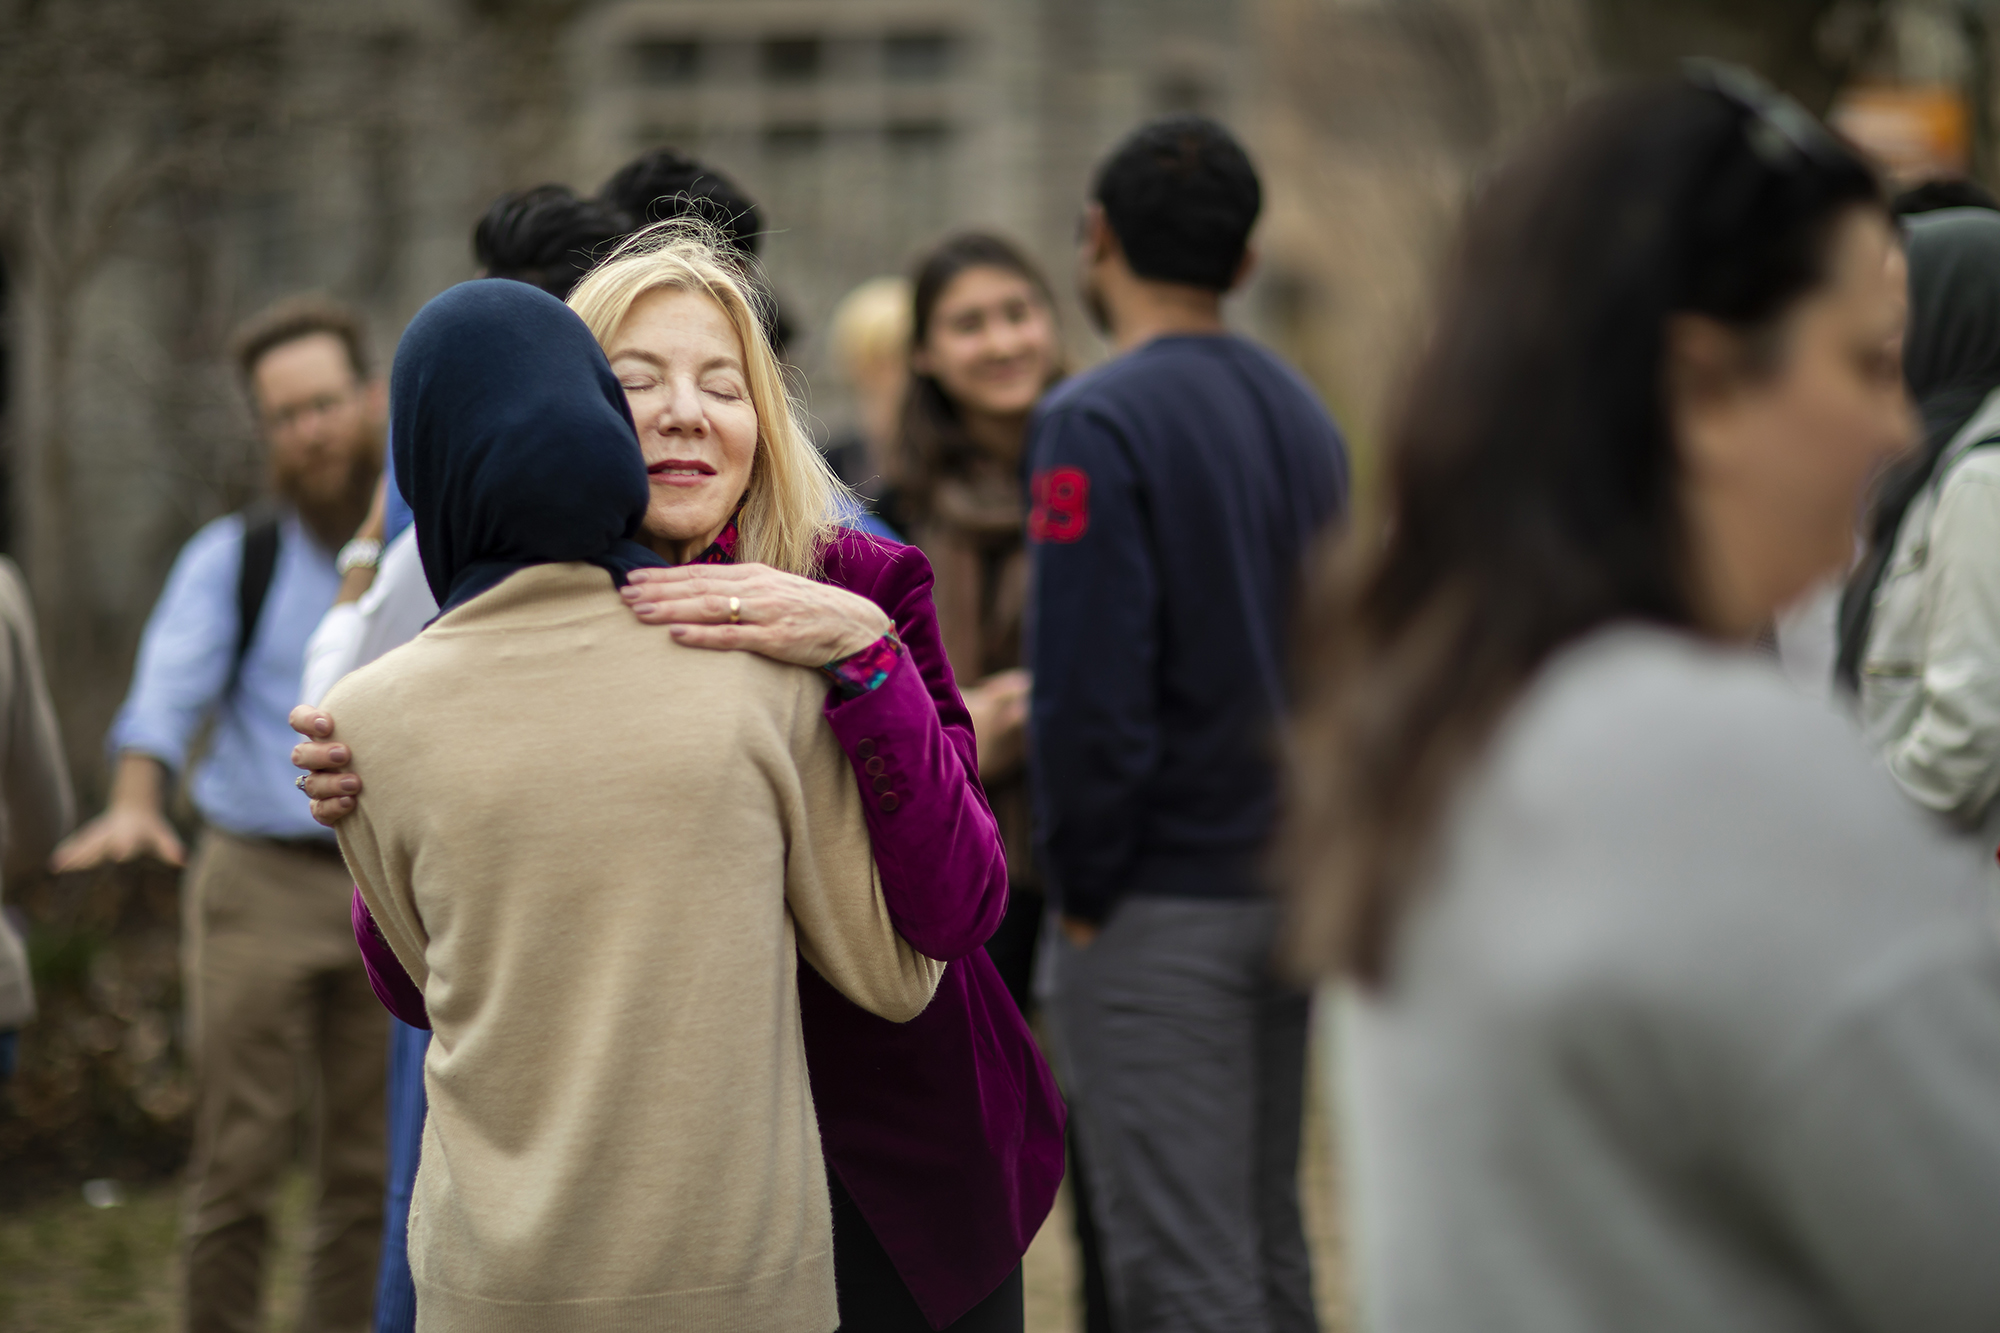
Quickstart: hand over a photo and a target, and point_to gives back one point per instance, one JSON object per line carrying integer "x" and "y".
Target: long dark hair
{"x": 932, "y": 442}
{"x": 1532, "y": 476}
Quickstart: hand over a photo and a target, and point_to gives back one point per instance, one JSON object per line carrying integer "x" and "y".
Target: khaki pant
{"x": 287, "y": 1039}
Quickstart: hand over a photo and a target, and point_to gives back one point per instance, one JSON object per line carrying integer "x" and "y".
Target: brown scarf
{"x": 972, "y": 534}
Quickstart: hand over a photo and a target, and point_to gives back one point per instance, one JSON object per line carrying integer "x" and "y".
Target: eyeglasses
{"x": 288, "y": 419}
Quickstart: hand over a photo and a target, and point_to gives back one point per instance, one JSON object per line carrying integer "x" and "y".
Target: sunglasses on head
{"x": 1783, "y": 134}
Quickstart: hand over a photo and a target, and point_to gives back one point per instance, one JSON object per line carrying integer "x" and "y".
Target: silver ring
{"x": 736, "y": 610}
{"x": 300, "y": 781}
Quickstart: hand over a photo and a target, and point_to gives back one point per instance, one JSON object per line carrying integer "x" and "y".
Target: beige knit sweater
{"x": 599, "y": 853}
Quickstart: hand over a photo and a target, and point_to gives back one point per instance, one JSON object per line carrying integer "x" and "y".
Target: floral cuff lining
{"x": 855, "y": 675}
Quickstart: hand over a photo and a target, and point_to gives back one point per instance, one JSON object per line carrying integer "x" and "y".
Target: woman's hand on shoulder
{"x": 331, "y": 788}
{"x": 778, "y": 615}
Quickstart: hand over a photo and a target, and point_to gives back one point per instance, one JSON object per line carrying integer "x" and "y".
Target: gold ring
{"x": 735, "y": 610}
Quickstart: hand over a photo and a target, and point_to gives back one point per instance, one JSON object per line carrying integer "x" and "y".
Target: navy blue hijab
{"x": 513, "y": 443}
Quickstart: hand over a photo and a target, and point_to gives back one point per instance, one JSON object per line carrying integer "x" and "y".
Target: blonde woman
{"x": 943, "y": 1137}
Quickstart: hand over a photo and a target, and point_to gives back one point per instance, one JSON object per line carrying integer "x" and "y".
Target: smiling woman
{"x": 691, "y": 405}
{"x": 715, "y": 422}
{"x": 984, "y": 348}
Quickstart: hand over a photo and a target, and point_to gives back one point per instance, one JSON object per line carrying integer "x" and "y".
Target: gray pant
{"x": 1184, "y": 1059}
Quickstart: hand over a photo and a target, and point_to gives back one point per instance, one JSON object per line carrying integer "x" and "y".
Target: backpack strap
{"x": 253, "y": 584}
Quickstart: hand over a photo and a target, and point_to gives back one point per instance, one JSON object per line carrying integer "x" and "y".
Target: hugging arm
{"x": 910, "y": 745}
{"x": 386, "y": 977}
{"x": 328, "y": 785}
{"x": 844, "y": 926}
{"x": 333, "y": 791}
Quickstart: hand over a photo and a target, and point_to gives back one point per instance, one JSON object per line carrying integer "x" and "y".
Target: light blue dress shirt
{"x": 244, "y": 782}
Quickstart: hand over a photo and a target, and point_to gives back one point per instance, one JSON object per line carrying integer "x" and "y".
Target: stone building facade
{"x": 152, "y": 194}
{"x": 167, "y": 166}
{"x": 868, "y": 129}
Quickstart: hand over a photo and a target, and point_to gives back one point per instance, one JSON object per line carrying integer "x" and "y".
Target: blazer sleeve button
{"x": 874, "y": 765}
{"x": 866, "y": 749}
{"x": 882, "y": 782}
{"x": 889, "y": 801}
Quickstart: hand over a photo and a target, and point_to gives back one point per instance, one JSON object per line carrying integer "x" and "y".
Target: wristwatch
{"x": 361, "y": 553}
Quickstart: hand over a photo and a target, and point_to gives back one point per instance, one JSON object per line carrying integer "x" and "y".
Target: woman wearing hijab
{"x": 1664, "y": 1010}
{"x": 620, "y": 1120}
{"x": 1920, "y": 620}
{"x": 943, "y": 1136}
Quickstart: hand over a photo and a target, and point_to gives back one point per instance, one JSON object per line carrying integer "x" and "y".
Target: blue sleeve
{"x": 1094, "y": 733}
{"x": 185, "y": 653}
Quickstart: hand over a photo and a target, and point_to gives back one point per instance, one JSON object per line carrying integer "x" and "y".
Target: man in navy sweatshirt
{"x": 1176, "y": 491}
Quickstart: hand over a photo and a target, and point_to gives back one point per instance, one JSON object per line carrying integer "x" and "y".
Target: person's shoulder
{"x": 222, "y": 533}
{"x": 1280, "y": 372}
{"x": 1082, "y": 390}
{"x": 1109, "y": 403}
{"x": 213, "y": 555}
{"x": 387, "y": 687}
{"x": 1167, "y": 367}
{"x": 856, "y": 548}
{"x": 1299, "y": 418}
{"x": 454, "y": 657}
{"x": 1979, "y": 468}
{"x": 1641, "y": 725}
{"x": 872, "y": 566}
{"x": 1139, "y": 374}
{"x": 1665, "y": 821}
{"x": 1678, "y": 694}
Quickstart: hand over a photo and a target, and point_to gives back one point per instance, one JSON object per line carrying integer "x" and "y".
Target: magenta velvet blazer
{"x": 948, "y": 1130}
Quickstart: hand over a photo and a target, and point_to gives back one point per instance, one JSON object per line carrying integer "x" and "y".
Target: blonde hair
{"x": 871, "y": 325}
{"x": 791, "y": 509}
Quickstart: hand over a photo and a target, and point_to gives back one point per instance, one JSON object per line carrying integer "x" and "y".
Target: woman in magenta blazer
{"x": 943, "y": 1136}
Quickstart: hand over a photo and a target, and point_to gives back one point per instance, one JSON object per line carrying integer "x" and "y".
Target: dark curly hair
{"x": 546, "y": 236}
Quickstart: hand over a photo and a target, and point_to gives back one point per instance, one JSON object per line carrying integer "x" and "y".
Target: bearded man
{"x": 281, "y": 1019}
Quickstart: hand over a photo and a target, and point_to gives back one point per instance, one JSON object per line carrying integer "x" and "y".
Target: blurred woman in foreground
{"x": 1667, "y": 1012}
